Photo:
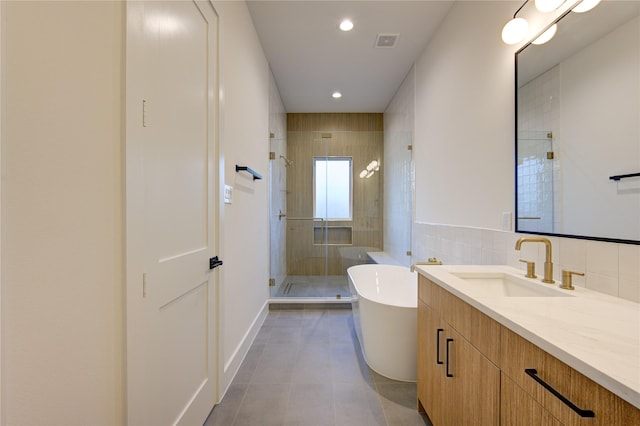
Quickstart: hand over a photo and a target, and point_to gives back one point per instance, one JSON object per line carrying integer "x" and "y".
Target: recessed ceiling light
{"x": 346, "y": 25}
{"x": 336, "y": 95}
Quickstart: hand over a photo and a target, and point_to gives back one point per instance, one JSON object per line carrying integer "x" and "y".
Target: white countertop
{"x": 596, "y": 334}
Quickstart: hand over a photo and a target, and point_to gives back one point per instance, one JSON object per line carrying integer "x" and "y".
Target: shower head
{"x": 287, "y": 162}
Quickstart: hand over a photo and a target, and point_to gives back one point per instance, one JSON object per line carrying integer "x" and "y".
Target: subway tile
{"x": 573, "y": 254}
{"x": 629, "y": 262}
{"x": 629, "y": 290}
{"x": 602, "y": 283}
{"x": 602, "y": 258}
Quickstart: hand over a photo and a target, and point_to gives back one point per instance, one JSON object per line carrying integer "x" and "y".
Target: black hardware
{"x": 448, "y": 374}
{"x": 618, "y": 177}
{"x": 214, "y": 262}
{"x": 583, "y": 413}
{"x": 438, "y": 346}
{"x": 255, "y": 174}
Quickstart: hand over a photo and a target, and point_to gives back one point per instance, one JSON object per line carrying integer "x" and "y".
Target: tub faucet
{"x": 548, "y": 266}
{"x": 430, "y": 261}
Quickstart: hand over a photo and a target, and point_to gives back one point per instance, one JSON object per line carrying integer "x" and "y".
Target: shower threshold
{"x": 322, "y": 288}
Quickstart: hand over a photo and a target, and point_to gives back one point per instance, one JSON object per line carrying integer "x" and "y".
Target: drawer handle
{"x": 583, "y": 413}
{"x": 440, "y": 330}
{"x": 447, "y": 370}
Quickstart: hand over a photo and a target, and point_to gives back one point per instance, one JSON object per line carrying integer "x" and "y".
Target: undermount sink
{"x": 502, "y": 284}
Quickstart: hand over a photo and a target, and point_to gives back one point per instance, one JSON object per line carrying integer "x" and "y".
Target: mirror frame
{"x": 516, "y": 228}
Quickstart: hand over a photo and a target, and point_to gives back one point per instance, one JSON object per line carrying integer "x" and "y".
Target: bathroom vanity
{"x": 495, "y": 348}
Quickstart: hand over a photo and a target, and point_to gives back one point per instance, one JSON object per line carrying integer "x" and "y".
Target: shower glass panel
{"x": 333, "y": 216}
{"x": 536, "y": 182}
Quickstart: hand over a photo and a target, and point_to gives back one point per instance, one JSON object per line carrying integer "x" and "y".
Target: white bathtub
{"x": 384, "y": 299}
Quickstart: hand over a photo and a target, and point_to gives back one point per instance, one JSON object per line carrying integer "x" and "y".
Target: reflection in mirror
{"x": 578, "y": 124}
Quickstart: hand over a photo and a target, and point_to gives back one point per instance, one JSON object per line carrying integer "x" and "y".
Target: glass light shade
{"x": 363, "y": 174}
{"x": 548, "y": 5}
{"x": 369, "y": 174}
{"x": 336, "y": 95}
{"x": 515, "y": 30}
{"x": 586, "y": 5}
{"x": 547, "y": 35}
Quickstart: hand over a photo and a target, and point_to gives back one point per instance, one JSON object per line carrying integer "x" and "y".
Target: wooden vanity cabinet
{"x": 518, "y": 355}
{"x": 490, "y": 385}
{"x": 518, "y": 408}
{"x": 457, "y": 384}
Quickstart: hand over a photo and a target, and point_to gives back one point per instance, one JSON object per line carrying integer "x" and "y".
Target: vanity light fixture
{"x": 586, "y": 5}
{"x": 547, "y": 35}
{"x": 516, "y": 29}
{"x": 548, "y": 5}
{"x": 372, "y": 167}
{"x": 346, "y": 25}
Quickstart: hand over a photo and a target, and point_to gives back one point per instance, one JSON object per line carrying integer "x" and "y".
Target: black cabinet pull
{"x": 583, "y": 413}
{"x": 448, "y": 341}
{"x": 440, "y": 330}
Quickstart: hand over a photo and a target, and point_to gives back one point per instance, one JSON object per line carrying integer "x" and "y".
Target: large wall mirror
{"x": 578, "y": 127}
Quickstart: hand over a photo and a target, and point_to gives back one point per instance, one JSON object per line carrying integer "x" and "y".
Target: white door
{"x": 171, "y": 108}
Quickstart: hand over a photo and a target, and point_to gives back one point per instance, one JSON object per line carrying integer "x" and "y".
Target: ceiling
{"x": 311, "y": 58}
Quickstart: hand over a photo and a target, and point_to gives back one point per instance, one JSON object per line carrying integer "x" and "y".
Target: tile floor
{"x": 306, "y": 368}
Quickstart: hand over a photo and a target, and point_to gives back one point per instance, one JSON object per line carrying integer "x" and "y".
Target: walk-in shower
{"x": 326, "y": 212}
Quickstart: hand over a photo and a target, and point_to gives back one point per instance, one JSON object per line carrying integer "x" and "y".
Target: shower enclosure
{"x": 326, "y": 202}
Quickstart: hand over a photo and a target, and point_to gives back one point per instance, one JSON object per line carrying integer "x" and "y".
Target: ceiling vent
{"x": 386, "y": 40}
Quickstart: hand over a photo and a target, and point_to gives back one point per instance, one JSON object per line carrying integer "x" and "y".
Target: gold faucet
{"x": 430, "y": 261}
{"x": 567, "y": 283}
{"x": 548, "y": 266}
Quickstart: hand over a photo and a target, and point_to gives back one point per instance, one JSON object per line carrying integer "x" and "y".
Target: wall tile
{"x": 629, "y": 262}
{"x": 610, "y": 268}
{"x": 629, "y": 290}
{"x": 602, "y": 283}
{"x": 602, "y": 258}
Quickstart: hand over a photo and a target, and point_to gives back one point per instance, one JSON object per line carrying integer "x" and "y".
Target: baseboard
{"x": 233, "y": 365}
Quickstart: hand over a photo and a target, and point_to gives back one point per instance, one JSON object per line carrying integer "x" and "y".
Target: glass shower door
{"x": 329, "y": 215}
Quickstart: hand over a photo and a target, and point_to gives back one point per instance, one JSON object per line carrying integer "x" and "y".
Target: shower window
{"x": 332, "y": 185}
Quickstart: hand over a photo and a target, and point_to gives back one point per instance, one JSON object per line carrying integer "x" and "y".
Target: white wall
{"x": 464, "y": 155}
{"x": 62, "y": 213}
{"x": 62, "y": 206}
{"x": 464, "y": 120}
{"x": 244, "y": 126}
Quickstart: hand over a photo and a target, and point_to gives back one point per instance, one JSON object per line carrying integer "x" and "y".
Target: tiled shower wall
{"x": 609, "y": 268}
{"x": 539, "y": 182}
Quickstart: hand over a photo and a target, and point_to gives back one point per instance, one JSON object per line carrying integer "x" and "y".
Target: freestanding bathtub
{"x": 384, "y": 301}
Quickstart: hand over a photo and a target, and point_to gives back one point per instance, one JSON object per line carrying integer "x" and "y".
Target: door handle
{"x": 214, "y": 262}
